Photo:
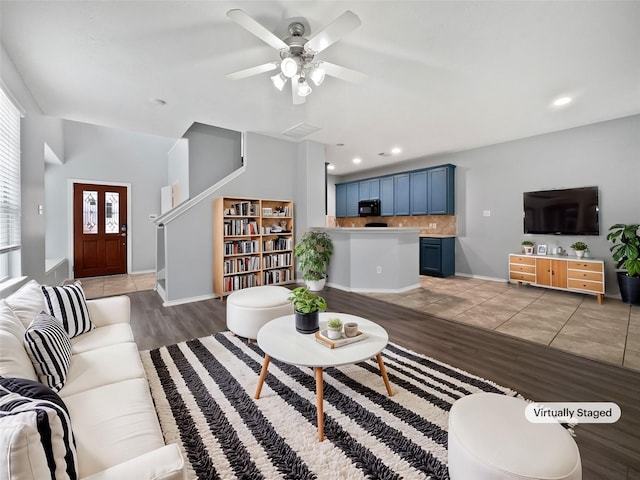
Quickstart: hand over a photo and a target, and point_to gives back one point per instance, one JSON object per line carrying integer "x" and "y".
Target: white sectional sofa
{"x": 114, "y": 422}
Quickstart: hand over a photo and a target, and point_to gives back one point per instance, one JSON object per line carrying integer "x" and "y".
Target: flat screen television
{"x": 571, "y": 211}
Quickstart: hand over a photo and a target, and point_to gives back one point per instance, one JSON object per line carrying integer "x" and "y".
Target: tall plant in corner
{"x": 626, "y": 252}
{"x": 314, "y": 251}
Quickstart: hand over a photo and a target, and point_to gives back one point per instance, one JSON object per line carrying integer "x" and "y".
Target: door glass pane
{"x": 111, "y": 212}
{"x": 89, "y": 211}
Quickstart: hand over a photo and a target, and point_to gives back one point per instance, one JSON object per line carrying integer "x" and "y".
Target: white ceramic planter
{"x": 334, "y": 333}
{"x": 315, "y": 285}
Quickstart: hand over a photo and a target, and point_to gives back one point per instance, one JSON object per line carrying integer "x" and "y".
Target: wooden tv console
{"x": 583, "y": 275}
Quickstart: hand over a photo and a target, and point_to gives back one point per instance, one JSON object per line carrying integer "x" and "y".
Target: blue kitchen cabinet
{"x": 401, "y": 185}
{"x": 418, "y": 192}
{"x": 386, "y": 197}
{"x": 369, "y": 189}
{"x": 441, "y": 190}
{"x": 352, "y": 199}
{"x": 437, "y": 256}
{"x": 341, "y": 200}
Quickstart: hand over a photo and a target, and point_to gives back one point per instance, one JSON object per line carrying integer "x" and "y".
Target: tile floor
{"x": 95, "y": 287}
{"x": 568, "y": 321}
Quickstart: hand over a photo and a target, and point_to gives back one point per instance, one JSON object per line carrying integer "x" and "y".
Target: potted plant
{"x": 579, "y": 248}
{"x": 314, "y": 250}
{"x": 527, "y": 247}
{"x": 625, "y": 251}
{"x": 334, "y": 328}
{"x": 306, "y": 306}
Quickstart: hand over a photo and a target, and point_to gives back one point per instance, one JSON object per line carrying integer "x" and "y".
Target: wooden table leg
{"x": 320, "y": 401}
{"x": 383, "y": 372}
{"x": 263, "y": 375}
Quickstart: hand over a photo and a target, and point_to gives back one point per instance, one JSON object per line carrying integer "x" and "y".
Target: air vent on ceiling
{"x": 300, "y": 130}
{"x": 384, "y": 154}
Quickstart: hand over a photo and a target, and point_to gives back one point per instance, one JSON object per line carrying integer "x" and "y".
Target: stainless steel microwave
{"x": 369, "y": 208}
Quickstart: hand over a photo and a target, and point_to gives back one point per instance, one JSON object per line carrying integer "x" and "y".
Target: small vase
{"x": 334, "y": 333}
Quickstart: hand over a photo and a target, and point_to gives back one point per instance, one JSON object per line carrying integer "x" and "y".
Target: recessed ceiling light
{"x": 331, "y": 167}
{"x": 396, "y": 150}
{"x": 357, "y": 160}
{"x": 562, "y": 101}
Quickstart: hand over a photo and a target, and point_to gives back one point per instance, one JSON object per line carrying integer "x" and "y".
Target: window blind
{"x": 9, "y": 175}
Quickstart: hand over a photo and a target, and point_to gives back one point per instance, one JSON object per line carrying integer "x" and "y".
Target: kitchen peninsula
{"x": 374, "y": 259}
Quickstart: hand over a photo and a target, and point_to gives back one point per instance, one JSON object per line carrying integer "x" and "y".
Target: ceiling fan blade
{"x": 256, "y": 28}
{"x": 297, "y": 99}
{"x": 248, "y": 72}
{"x": 343, "y": 73}
{"x": 333, "y": 32}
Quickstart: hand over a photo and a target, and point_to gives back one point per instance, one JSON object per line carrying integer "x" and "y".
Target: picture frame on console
{"x": 541, "y": 249}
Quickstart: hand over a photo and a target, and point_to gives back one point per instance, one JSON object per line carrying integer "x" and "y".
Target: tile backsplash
{"x": 428, "y": 224}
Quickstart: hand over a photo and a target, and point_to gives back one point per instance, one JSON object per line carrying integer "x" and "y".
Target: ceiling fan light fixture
{"x": 289, "y": 67}
{"x": 303, "y": 87}
{"x": 317, "y": 75}
{"x": 279, "y": 81}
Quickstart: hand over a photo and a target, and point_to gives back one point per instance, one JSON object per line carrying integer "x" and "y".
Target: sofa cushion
{"x": 49, "y": 348}
{"x": 27, "y": 302}
{"x": 14, "y": 361}
{"x": 36, "y": 439}
{"x": 68, "y": 304}
{"x": 113, "y": 423}
{"x": 103, "y": 366}
{"x": 102, "y": 337}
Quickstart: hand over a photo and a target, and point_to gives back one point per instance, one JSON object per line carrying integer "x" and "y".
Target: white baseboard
{"x": 481, "y": 277}
{"x": 173, "y": 303}
{"x": 373, "y": 290}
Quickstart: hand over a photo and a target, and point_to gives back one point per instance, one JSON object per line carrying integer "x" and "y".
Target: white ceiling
{"x": 442, "y": 76}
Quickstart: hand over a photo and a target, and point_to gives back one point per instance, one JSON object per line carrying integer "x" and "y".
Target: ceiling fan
{"x": 297, "y": 54}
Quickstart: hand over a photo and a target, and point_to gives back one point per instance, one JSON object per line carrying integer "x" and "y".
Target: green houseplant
{"x": 527, "y": 247}
{"x": 626, "y": 252}
{"x": 579, "y": 248}
{"x": 334, "y": 328}
{"x": 314, "y": 251}
{"x": 306, "y": 306}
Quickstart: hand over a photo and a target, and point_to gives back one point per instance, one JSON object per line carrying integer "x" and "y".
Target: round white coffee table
{"x": 279, "y": 339}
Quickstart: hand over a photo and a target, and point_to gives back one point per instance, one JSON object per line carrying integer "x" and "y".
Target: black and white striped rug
{"x": 203, "y": 390}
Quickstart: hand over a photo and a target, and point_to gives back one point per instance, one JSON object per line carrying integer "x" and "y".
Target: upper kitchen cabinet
{"x": 401, "y": 185}
{"x": 429, "y": 191}
{"x": 386, "y": 197}
{"x": 418, "y": 192}
{"x": 441, "y": 190}
{"x": 352, "y": 199}
{"x": 341, "y": 200}
{"x": 369, "y": 189}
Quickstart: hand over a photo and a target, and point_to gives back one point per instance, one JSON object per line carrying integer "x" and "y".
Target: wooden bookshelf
{"x": 253, "y": 243}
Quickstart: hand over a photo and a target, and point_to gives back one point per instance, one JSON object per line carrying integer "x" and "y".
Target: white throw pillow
{"x": 14, "y": 361}
{"x": 36, "y": 440}
{"x": 49, "y": 348}
{"x": 69, "y": 306}
{"x": 27, "y": 302}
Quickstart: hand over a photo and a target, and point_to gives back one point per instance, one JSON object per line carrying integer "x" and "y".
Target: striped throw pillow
{"x": 69, "y": 306}
{"x": 36, "y": 439}
{"x": 49, "y": 348}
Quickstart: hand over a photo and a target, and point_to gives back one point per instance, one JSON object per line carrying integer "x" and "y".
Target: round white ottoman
{"x": 490, "y": 439}
{"x": 250, "y": 308}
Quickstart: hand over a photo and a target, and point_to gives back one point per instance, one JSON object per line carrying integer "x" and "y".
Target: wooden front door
{"x": 99, "y": 230}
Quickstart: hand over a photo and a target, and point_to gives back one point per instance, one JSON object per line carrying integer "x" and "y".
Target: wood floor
{"x": 538, "y": 372}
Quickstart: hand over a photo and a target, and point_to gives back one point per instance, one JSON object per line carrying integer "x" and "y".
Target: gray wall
{"x": 33, "y": 132}
{"x": 493, "y": 178}
{"x": 102, "y": 154}
{"x": 275, "y": 169}
{"x": 213, "y": 154}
